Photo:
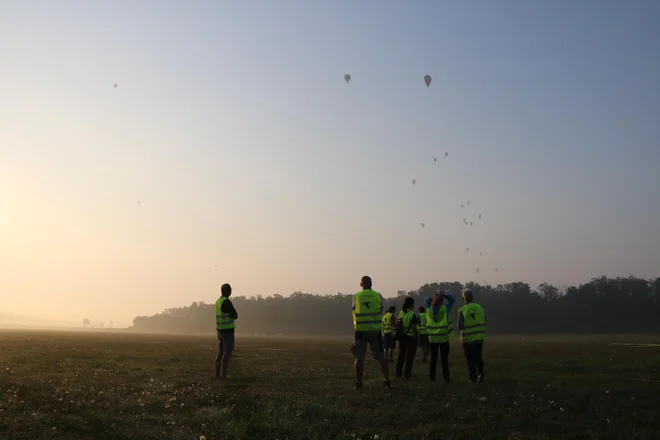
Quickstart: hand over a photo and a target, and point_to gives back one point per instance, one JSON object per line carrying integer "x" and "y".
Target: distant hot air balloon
{"x": 414, "y": 181}
{"x": 467, "y": 249}
{"x": 468, "y": 202}
{"x": 423, "y": 225}
{"x": 461, "y": 206}
{"x": 427, "y": 80}
{"x": 479, "y": 216}
{"x": 477, "y": 270}
{"x": 446, "y": 154}
{"x": 470, "y": 223}
{"x": 138, "y": 202}
{"x": 480, "y": 253}
{"x": 114, "y": 85}
{"x": 435, "y": 160}
{"x": 495, "y": 270}
{"x": 347, "y": 78}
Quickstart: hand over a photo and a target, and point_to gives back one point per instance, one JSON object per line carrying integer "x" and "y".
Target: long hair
{"x": 408, "y": 304}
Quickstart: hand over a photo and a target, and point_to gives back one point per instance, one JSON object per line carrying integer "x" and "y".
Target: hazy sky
{"x": 233, "y": 127}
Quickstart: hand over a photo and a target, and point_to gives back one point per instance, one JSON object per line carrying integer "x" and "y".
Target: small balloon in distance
{"x": 414, "y": 181}
{"x": 114, "y": 85}
{"x": 423, "y": 225}
{"x": 427, "y": 80}
{"x": 347, "y": 78}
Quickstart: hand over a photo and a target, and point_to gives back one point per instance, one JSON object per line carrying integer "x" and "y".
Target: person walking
{"x": 440, "y": 331}
{"x": 472, "y": 323}
{"x": 407, "y": 335}
{"x": 388, "y": 325}
{"x": 367, "y": 308}
{"x": 423, "y": 335}
{"x": 225, "y": 315}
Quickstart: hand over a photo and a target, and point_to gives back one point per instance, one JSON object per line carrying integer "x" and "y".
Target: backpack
{"x": 399, "y": 332}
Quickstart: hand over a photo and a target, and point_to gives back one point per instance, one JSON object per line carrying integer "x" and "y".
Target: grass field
{"x": 66, "y": 385}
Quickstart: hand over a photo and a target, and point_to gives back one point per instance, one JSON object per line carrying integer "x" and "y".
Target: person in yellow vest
{"x": 423, "y": 335}
{"x": 388, "y": 325}
{"x": 472, "y": 323}
{"x": 225, "y": 314}
{"x": 440, "y": 331}
{"x": 407, "y": 325}
{"x": 367, "y": 308}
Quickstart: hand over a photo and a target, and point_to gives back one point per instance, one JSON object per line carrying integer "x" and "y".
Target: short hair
{"x": 421, "y": 309}
{"x": 225, "y": 289}
{"x": 468, "y": 295}
{"x": 366, "y": 282}
{"x": 392, "y": 309}
{"x": 408, "y": 303}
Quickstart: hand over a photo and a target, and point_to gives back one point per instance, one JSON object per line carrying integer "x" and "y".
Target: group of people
{"x": 431, "y": 331}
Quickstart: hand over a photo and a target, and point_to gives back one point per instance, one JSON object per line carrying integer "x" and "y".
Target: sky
{"x": 232, "y": 150}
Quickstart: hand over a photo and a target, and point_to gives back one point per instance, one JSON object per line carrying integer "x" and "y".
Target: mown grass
{"x": 124, "y": 386}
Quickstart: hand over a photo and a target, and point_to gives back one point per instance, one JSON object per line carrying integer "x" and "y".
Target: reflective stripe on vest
{"x": 439, "y": 326}
{"x": 474, "y": 323}
{"x": 366, "y": 315}
{"x": 386, "y": 326}
{"x": 423, "y": 324}
{"x": 222, "y": 320}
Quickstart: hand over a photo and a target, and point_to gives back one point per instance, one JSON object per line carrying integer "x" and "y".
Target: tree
{"x": 86, "y": 323}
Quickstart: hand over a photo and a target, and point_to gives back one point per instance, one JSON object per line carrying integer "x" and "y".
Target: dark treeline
{"x": 603, "y": 305}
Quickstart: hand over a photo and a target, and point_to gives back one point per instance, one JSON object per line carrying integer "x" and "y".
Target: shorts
{"x": 375, "y": 341}
{"x": 389, "y": 341}
{"x": 225, "y": 342}
{"x": 423, "y": 341}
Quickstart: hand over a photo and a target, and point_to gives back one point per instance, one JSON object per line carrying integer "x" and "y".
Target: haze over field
{"x": 232, "y": 149}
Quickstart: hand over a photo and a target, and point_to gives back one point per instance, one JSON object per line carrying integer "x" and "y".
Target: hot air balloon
{"x": 479, "y": 216}
{"x": 480, "y": 253}
{"x": 495, "y": 270}
{"x": 477, "y": 270}
{"x": 435, "y": 160}
{"x": 467, "y": 249}
{"x": 470, "y": 223}
{"x": 114, "y": 85}
{"x": 138, "y": 202}
{"x": 461, "y": 206}
{"x": 427, "y": 80}
{"x": 422, "y": 224}
{"x": 347, "y": 78}
{"x": 414, "y": 181}
{"x": 446, "y": 154}
{"x": 468, "y": 202}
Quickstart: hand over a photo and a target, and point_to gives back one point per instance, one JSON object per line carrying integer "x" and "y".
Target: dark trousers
{"x": 443, "y": 347}
{"x": 475, "y": 363}
{"x": 407, "y": 350}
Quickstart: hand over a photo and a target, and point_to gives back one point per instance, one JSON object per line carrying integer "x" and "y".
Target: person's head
{"x": 408, "y": 303}
{"x": 392, "y": 309}
{"x": 365, "y": 282}
{"x": 225, "y": 290}
{"x": 468, "y": 296}
{"x": 439, "y": 298}
{"x": 422, "y": 309}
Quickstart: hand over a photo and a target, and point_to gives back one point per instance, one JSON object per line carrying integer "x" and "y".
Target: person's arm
{"x": 415, "y": 322}
{"x": 353, "y": 302}
{"x": 461, "y": 320}
{"x": 228, "y": 307}
{"x": 450, "y": 301}
{"x": 382, "y": 304}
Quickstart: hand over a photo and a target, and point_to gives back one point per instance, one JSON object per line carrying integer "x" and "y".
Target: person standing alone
{"x": 225, "y": 315}
{"x": 440, "y": 331}
{"x": 367, "y": 308}
{"x": 472, "y": 323}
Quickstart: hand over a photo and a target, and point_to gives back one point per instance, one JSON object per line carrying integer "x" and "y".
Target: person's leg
{"x": 469, "y": 357}
{"x": 227, "y": 350}
{"x": 358, "y": 354}
{"x": 375, "y": 343}
{"x": 444, "y": 359}
{"x": 401, "y": 358}
{"x": 218, "y": 358}
{"x": 479, "y": 361}
{"x": 410, "y": 356}
{"x": 433, "y": 347}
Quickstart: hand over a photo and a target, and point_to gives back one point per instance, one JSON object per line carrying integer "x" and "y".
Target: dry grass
{"x": 62, "y": 385}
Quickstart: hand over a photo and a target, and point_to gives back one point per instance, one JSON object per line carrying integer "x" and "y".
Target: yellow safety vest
{"x": 422, "y": 324}
{"x": 474, "y": 323}
{"x": 406, "y": 320}
{"x": 387, "y": 323}
{"x": 366, "y": 315}
{"x": 222, "y": 320}
{"x": 439, "y": 326}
